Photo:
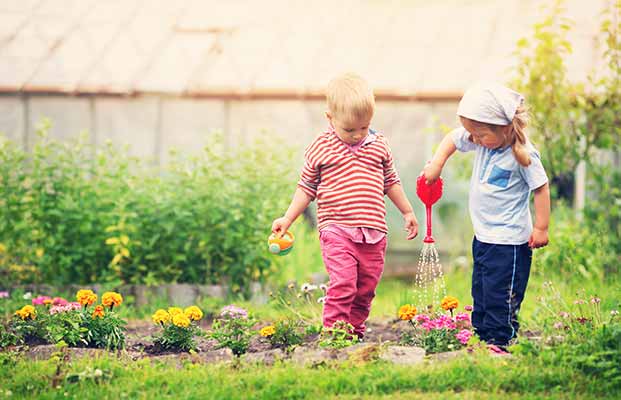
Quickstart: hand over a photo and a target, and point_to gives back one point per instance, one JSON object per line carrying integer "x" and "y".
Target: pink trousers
{"x": 355, "y": 270}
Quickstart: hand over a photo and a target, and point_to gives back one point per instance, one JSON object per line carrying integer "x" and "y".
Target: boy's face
{"x": 350, "y": 131}
{"x": 483, "y": 134}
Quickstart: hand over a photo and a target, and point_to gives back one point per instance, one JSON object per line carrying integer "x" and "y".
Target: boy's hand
{"x": 539, "y": 238}
{"x": 432, "y": 172}
{"x": 411, "y": 225}
{"x": 280, "y": 226}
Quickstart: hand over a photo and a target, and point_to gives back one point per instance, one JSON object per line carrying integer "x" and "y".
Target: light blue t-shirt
{"x": 499, "y": 191}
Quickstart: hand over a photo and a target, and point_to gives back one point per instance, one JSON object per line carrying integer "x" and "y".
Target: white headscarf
{"x": 490, "y": 102}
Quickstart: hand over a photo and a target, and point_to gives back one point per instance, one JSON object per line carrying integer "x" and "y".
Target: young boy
{"x": 348, "y": 169}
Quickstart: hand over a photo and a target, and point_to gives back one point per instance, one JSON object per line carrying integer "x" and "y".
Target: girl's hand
{"x": 280, "y": 226}
{"x": 432, "y": 172}
{"x": 411, "y": 225}
{"x": 539, "y": 238}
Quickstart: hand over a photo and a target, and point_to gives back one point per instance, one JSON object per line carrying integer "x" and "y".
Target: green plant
{"x": 338, "y": 336}
{"x": 179, "y": 327}
{"x": 284, "y": 334}
{"x": 233, "y": 329}
{"x": 67, "y": 327}
{"x": 72, "y": 213}
{"x": 104, "y": 332}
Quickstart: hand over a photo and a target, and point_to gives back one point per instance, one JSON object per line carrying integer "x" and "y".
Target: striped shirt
{"x": 349, "y": 187}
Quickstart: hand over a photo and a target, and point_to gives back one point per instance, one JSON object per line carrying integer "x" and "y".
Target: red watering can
{"x": 428, "y": 194}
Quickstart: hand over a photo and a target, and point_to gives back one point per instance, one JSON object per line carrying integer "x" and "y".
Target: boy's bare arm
{"x": 396, "y": 194}
{"x": 539, "y": 237}
{"x": 300, "y": 201}
{"x": 433, "y": 169}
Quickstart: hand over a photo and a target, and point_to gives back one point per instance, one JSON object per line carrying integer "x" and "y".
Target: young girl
{"x": 506, "y": 169}
{"x": 349, "y": 169}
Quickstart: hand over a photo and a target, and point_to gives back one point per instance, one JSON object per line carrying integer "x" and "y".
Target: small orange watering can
{"x": 281, "y": 245}
{"x": 428, "y": 194}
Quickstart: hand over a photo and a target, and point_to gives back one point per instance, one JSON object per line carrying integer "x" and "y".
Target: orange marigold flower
{"x": 86, "y": 297}
{"x": 267, "y": 331}
{"x": 161, "y": 316}
{"x": 193, "y": 312}
{"x": 99, "y": 312}
{"x": 449, "y": 303}
{"x": 407, "y": 312}
{"x": 111, "y": 299}
{"x": 26, "y": 312}
{"x": 181, "y": 320}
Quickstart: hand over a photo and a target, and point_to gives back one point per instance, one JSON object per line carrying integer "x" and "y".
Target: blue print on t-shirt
{"x": 499, "y": 177}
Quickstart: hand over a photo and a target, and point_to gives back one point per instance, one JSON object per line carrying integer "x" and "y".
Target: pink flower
{"x": 462, "y": 317}
{"x": 595, "y": 300}
{"x": 39, "y": 301}
{"x": 468, "y": 308}
{"x": 463, "y": 336}
{"x": 421, "y": 318}
{"x": 564, "y": 314}
{"x": 64, "y": 308}
{"x": 4, "y": 294}
{"x": 558, "y": 325}
{"x": 232, "y": 311}
{"x": 59, "y": 301}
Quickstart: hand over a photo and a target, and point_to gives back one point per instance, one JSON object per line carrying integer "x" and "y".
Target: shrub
{"x": 71, "y": 213}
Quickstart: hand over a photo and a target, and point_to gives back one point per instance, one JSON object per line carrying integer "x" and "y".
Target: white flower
{"x": 27, "y": 296}
{"x": 307, "y": 287}
{"x": 322, "y": 299}
{"x": 614, "y": 312}
{"x": 323, "y": 287}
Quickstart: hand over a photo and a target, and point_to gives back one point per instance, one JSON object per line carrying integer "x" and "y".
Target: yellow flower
{"x": 47, "y": 302}
{"x": 407, "y": 312}
{"x": 111, "y": 299}
{"x": 174, "y": 311}
{"x": 98, "y": 312}
{"x": 267, "y": 331}
{"x": 39, "y": 252}
{"x": 161, "y": 316}
{"x": 2, "y": 248}
{"x": 26, "y": 312}
{"x": 449, "y": 303}
{"x": 181, "y": 320}
{"x": 193, "y": 312}
{"x": 86, "y": 297}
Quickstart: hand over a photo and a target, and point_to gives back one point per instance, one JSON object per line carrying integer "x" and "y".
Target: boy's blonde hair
{"x": 349, "y": 97}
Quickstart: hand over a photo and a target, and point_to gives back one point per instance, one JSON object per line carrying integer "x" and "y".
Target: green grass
{"x": 479, "y": 376}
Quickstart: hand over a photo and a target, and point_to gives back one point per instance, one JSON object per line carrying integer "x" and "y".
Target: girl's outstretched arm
{"x": 300, "y": 201}
{"x": 539, "y": 237}
{"x": 433, "y": 169}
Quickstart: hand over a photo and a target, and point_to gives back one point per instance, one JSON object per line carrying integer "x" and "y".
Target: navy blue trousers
{"x": 499, "y": 280}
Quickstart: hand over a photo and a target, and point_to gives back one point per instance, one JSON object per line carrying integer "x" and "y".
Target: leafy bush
{"x": 71, "y": 213}
{"x": 579, "y": 249}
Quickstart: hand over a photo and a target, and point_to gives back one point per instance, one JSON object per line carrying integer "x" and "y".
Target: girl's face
{"x": 350, "y": 131}
{"x": 486, "y": 135}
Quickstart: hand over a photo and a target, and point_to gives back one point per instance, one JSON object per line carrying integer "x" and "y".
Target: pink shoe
{"x": 497, "y": 350}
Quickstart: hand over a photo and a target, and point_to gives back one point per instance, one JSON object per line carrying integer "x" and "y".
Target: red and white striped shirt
{"x": 349, "y": 187}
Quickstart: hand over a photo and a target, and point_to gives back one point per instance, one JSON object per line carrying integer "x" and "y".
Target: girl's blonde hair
{"x": 349, "y": 97}
{"x": 516, "y": 136}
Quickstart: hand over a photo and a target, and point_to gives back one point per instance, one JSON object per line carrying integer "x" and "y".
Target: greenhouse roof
{"x": 214, "y": 48}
